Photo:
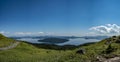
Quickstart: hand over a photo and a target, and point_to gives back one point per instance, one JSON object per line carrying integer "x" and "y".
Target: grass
{"x": 26, "y": 52}
{"x": 4, "y": 41}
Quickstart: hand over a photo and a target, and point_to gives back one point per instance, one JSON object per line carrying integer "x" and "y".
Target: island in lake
{"x": 53, "y": 40}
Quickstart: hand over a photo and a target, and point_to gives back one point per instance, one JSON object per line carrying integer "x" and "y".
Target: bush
{"x": 109, "y": 50}
{"x": 117, "y": 41}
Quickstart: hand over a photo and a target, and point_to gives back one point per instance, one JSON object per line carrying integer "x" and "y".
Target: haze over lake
{"x": 75, "y": 41}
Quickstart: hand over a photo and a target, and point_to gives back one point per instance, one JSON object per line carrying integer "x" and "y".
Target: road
{"x": 13, "y": 45}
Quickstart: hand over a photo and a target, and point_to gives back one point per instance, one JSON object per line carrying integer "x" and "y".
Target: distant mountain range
{"x": 95, "y": 37}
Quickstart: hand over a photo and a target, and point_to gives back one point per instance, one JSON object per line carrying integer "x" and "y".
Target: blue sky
{"x": 57, "y": 16}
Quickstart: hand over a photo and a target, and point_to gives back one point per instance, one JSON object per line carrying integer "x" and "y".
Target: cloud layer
{"x": 28, "y": 33}
{"x": 3, "y": 32}
{"x": 22, "y": 33}
{"x": 107, "y": 29}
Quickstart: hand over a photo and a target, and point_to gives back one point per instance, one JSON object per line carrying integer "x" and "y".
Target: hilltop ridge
{"x": 106, "y": 50}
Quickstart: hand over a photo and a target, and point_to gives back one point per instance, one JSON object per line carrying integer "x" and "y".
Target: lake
{"x": 75, "y": 41}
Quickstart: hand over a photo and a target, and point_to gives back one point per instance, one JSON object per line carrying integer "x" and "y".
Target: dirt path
{"x": 13, "y": 45}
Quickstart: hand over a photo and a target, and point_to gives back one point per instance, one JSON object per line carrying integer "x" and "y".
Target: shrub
{"x": 109, "y": 50}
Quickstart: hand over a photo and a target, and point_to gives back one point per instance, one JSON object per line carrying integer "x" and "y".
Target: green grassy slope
{"x": 4, "y": 41}
{"x": 25, "y": 52}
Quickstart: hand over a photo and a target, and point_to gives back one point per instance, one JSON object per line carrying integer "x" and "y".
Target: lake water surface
{"x": 76, "y": 41}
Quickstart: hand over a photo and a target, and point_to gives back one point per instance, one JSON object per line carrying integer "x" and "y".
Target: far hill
{"x": 53, "y": 40}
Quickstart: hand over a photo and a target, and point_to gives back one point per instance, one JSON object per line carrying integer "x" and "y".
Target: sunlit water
{"x": 76, "y": 41}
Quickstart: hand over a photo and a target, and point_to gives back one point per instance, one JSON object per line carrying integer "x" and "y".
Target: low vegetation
{"x": 26, "y": 52}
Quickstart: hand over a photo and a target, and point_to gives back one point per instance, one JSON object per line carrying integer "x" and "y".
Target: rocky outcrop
{"x": 115, "y": 59}
{"x": 102, "y": 59}
{"x": 81, "y": 51}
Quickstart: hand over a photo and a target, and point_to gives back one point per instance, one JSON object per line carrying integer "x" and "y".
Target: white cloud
{"x": 28, "y": 33}
{"x": 110, "y": 29}
{"x": 3, "y": 32}
{"x": 23, "y": 33}
{"x": 40, "y": 32}
{"x": 19, "y": 33}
